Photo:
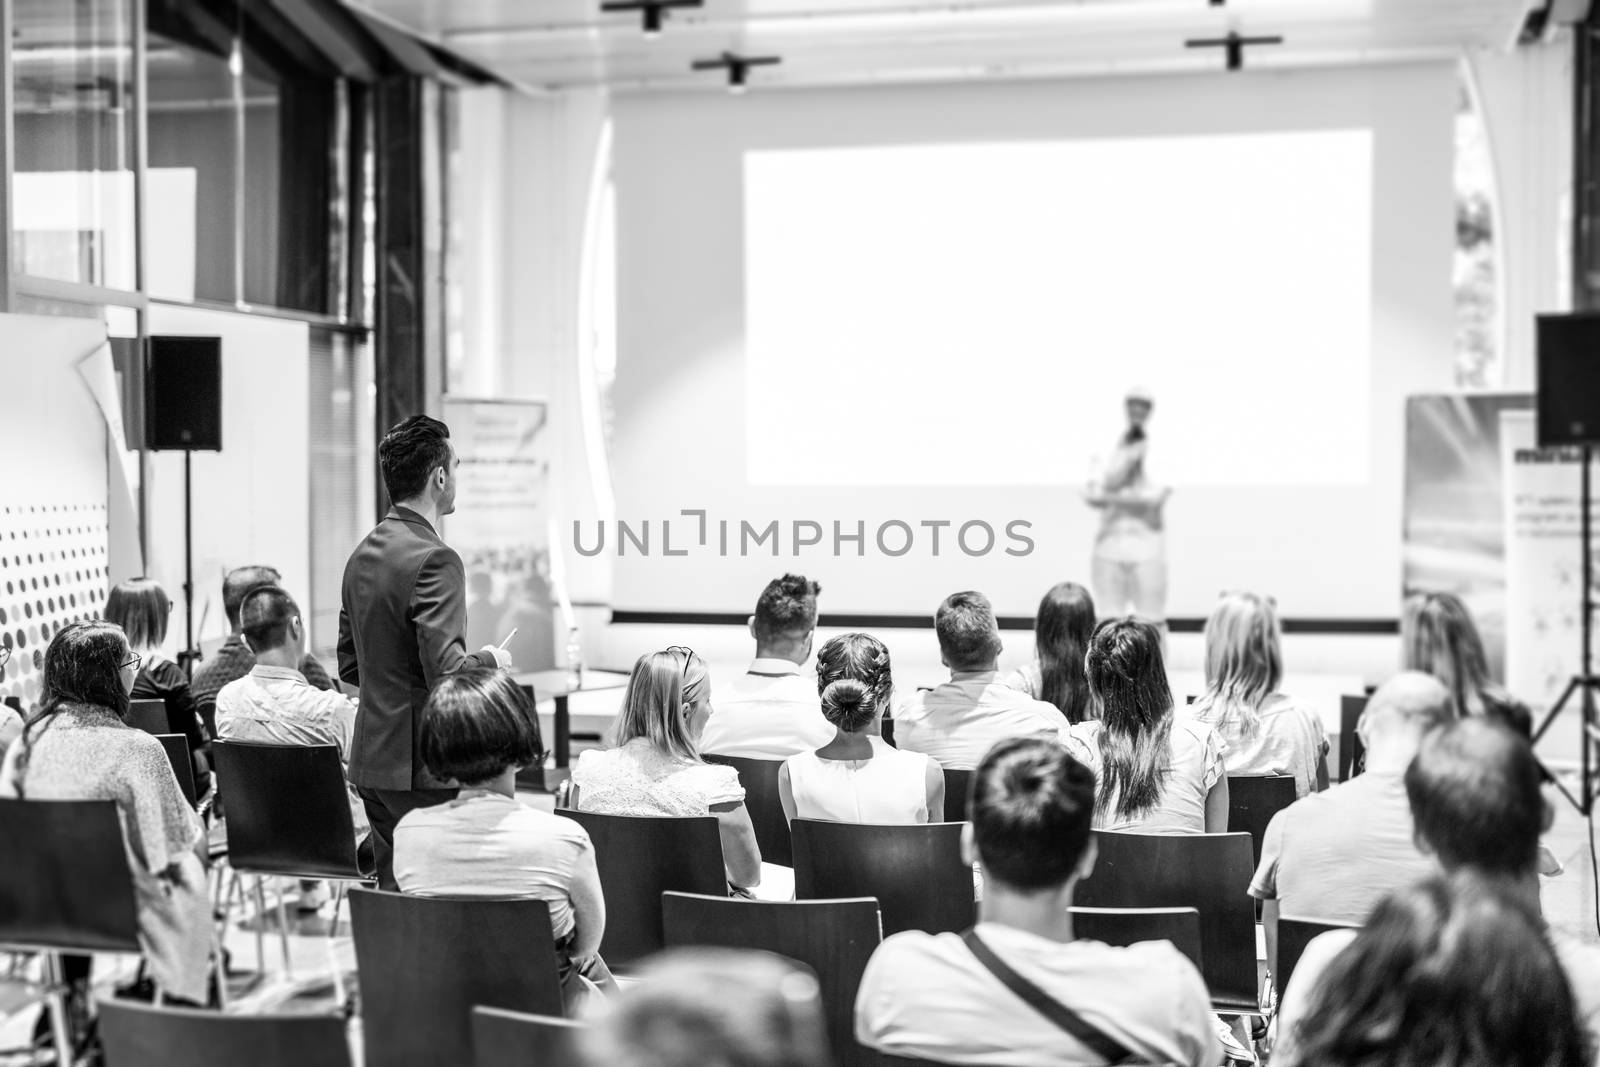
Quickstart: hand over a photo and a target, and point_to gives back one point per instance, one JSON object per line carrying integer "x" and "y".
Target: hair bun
{"x": 846, "y": 694}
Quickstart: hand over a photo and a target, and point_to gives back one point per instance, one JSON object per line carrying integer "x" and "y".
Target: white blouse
{"x": 888, "y": 789}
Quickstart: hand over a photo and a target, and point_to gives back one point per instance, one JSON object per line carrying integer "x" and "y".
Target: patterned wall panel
{"x": 52, "y": 572}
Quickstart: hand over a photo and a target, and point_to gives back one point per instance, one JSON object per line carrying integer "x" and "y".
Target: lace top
{"x": 639, "y": 779}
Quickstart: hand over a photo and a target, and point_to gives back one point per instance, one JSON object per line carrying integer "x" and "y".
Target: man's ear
{"x": 751, "y": 623}
{"x": 1086, "y": 862}
{"x": 1421, "y": 843}
{"x": 969, "y": 845}
{"x": 245, "y": 641}
{"x": 1547, "y": 815}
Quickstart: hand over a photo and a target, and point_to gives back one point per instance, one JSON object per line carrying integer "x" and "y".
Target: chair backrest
{"x": 1129, "y": 926}
{"x": 957, "y": 795}
{"x": 288, "y": 809}
{"x": 426, "y": 962}
{"x": 1252, "y": 802}
{"x": 514, "y": 1039}
{"x": 834, "y": 938}
{"x": 177, "y": 749}
{"x": 639, "y": 859}
{"x": 64, "y": 878}
{"x": 1293, "y": 937}
{"x": 916, "y": 872}
{"x": 139, "y": 1035}
{"x": 149, "y": 716}
{"x": 1352, "y": 754}
{"x": 760, "y": 780}
{"x": 1207, "y": 872}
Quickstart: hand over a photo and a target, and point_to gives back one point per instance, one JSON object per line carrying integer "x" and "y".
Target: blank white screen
{"x": 929, "y": 307}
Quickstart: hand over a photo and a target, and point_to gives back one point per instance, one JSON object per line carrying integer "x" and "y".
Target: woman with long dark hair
{"x": 1448, "y": 971}
{"x": 77, "y": 747}
{"x": 856, "y": 777}
{"x": 1438, "y": 637}
{"x": 1156, "y": 773}
{"x": 1061, "y": 632}
{"x": 142, "y": 608}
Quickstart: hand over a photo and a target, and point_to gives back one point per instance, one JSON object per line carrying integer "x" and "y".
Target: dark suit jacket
{"x": 402, "y": 621}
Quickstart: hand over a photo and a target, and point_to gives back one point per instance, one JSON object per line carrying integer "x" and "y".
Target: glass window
{"x": 73, "y": 190}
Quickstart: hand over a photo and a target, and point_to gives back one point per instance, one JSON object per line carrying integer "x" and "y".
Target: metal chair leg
{"x": 333, "y": 945}
{"x": 283, "y": 933}
{"x": 261, "y": 923}
{"x": 56, "y": 1005}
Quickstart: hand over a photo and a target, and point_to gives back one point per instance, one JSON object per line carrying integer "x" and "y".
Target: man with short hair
{"x": 957, "y": 722}
{"x": 772, "y": 711}
{"x": 233, "y": 660}
{"x": 1476, "y": 799}
{"x": 1332, "y": 855}
{"x": 274, "y": 703}
{"x": 942, "y": 997}
{"x": 401, "y": 628}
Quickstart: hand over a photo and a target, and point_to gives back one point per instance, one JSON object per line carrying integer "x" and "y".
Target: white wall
{"x": 681, "y": 407}
{"x": 251, "y": 500}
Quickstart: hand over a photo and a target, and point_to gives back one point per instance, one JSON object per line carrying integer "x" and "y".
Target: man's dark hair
{"x": 240, "y": 581}
{"x": 478, "y": 722}
{"x": 1475, "y": 799}
{"x": 410, "y": 452}
{"x": 1032, "y": 808}
{"x": 787, "y": 610}
{"x": 968, "y": 635}
{"x": 265, "y": 615}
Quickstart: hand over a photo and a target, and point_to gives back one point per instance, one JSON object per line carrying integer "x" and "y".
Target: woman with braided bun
{"x": 856, "y": 777}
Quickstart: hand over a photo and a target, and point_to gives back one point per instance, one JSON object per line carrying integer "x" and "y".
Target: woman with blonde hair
{"x": 1266, "y": 732}
{"x": 1438, "y": 637}
{"x": 652, "y": 764}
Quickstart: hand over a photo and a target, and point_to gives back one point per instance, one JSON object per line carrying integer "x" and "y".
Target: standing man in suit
{"x": 402, "y": 622}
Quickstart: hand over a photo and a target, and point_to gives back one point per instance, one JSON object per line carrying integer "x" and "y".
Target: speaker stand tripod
{"x": 1584, "y": 684}
{"x": 190, "y": 656}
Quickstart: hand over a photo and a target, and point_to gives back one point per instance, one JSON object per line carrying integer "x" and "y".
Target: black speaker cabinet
{"x": 1569, "y": 380}
{"x": 183, "y": 395}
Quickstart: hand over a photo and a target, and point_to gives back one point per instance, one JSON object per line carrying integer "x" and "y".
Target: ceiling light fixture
{"x": 737, "y": 66}
{"x": 652, "y": 13}
{"x": 1232, "y": 46}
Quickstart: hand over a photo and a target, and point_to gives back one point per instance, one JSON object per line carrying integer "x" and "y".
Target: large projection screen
{"x": 887, "y": 310}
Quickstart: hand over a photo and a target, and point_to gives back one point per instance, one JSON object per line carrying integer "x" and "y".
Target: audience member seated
{"x": 477, "y": 732}
{"x": 1331, "y": 856}
{"x": 653, "y": 764}
{"x": 857, "y": 777}
{"x": 1158, "y": 773}
{"x": 771, "y": 712}
{"x": 1438, "y": 637}
{"x": 1474, "y": 788}
{"x": 234, "y": 659}
{"x": 1061, "y": 637}
{"x": 77, "y": 747}
{"x": 275, "y": 704}
{"x": 141, "y": 607}
{"x": 954, "y": 999}
{"x": 1452, "y": 970}
{"x": 959, "y": 721}
{"x": 712, "y": 1008}
{"x": 1265, "y": 731}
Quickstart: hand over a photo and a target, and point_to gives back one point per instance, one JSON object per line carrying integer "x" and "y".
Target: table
{"x": 558, "y": 686}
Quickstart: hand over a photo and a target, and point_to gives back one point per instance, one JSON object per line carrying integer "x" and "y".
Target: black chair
{"x": 1207, "y": 872}
{"x": 138, "y": 1035}
{"x": 1293, "y": 937}
{"x": 1129, "y": 926}
{"x": 915, "y": 871}
{"x": 957, "y": 795}
{"x": 760, "y": 780}
{"x": 1352, "y": 753}
{"x": 640, "y": 858}
{"x": 65, "y": 887}
{"x": 426, "y": 962}
{"x": 177, "y": 749}
{"x": 288, "y": 815}
{"x": 834, "y": 938}
{"x": 512, "y": 1039}
{"x": 1252, "y": 802}
{"x": 149, "y": 716}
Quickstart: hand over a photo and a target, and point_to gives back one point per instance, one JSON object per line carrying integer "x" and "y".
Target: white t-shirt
{"x": 770, "y": 712}
{"x": 958, "y": 722}
{"x": 927, "y": 996}
{"x": 1194, "y": 767}
{"x": 1289, "y": 739}
{"x": 888, "y": 789}
{"x": 487, "y": 844}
